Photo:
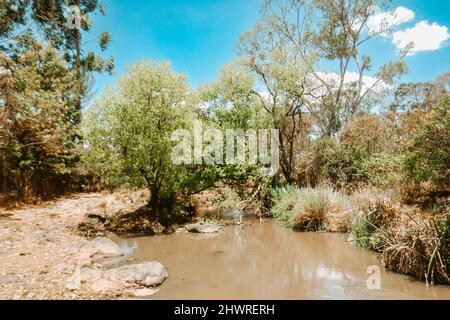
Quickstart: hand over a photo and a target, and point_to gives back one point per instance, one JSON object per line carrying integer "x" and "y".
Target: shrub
{"x": 422, "y": 251}
{"x": 383, "y": 170}
{"x": 344, "y": 168}
{"x": 428, "y": 157}
{"x": 312, "y": 164}
{"x": 371, "y": 229}
{"x": 370, "y": 134}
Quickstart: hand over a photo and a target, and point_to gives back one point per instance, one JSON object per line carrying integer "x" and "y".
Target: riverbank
{"x": 40, "y": 250}
{"x": 39, "y": 245}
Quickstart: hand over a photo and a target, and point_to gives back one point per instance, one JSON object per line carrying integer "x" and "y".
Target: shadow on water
{"x": 266, "y": 261}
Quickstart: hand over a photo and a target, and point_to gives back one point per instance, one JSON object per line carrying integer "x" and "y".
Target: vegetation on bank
{"x": 343, "y": 145}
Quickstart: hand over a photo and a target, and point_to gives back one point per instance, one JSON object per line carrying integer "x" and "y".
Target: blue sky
{"x": 199, "y": 36}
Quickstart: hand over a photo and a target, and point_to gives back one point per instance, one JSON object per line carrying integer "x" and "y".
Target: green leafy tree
{"x": 57, "y": 22}
{"x": 128, "y": 133}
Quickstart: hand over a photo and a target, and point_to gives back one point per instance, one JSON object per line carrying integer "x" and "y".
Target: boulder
{"x": 147, "y": 274}
{"x": 135, "y": 280}
{"x": 89, "y": 275}
{"x": 99, "y": 250}
{"x": 203, "y": 228}
{"x": 105, "y": 286}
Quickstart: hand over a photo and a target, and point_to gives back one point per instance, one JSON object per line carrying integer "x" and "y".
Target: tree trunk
{"x": 78, "y": 105}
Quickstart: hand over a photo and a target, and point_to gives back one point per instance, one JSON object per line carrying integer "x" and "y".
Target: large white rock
{"x": 74, "y": 282}
{"x": 147, "y": 274}
{"x": 135, "y": 280}
{"x": 99, "y": 250}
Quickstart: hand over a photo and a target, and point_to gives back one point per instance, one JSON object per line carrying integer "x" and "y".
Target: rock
{"x": 147, "y": 274}
{"x": 138, "y": 293}
{"x": 74, "y": 282}
{"x": 105, "y": 286}
{"x": 157, "y": 228}
{"x": 203, "y": 228}
{"x": 137, "y": 278}
{"x": 101, "y": 216}
{"x": 91, "y": 227}
{"x": 99, "y": 250}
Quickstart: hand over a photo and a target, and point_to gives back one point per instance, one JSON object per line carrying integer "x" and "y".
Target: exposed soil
{"x": 39, "y": 244}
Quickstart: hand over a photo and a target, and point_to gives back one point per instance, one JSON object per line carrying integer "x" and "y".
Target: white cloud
{"x": 369, "y": 82}
{"x": 425, "y": 36}
{"x": 382, "y": 21}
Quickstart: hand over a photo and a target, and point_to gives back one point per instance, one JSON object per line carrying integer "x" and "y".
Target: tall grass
{"x": 308, "y": 209}
{"x": 414, "y": 245}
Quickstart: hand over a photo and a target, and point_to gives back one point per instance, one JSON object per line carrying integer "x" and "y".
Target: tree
{"x": 282, "y": 79}
{"x": 36, "y": 120}
{"x": 421, "y": 96}
{"x": 57, "y": 21}
{"x": 129, "y": 130}
{"x": 337, "y": 34}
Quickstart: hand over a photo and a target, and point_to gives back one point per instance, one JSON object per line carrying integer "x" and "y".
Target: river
{"x": 266, "y": 261}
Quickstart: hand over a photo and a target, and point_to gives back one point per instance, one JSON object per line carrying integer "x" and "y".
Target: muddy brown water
{"x": 266, "y": 261}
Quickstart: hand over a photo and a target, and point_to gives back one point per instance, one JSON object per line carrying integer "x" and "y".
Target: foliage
{"x": 428, "y": 157}
{"x": 312, "y": 164}
{"x": 369, "y": 229}
{"x": 309, "y": 209}
{"x": 368, "y": 133}
{"x": 383, "y": 170}
{"x": 344, "y": 168}
{"x": 323, "y": 30}
{"x": 422, "y": 251}
{"x": 129, "y": 133}
{"x": 37, "y": 130}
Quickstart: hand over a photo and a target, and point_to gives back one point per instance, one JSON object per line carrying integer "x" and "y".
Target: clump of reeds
{"x": 310, "y": 209}
{"x": 422, "y": 251}
{"x": 372, "y": 229}
{"x": 413, "y": 245}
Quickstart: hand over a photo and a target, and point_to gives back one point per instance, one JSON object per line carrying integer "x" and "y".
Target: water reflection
{"x": 265, "y": 261}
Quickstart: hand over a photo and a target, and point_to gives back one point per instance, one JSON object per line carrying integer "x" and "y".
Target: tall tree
{"x": 36, "y": 131}
{"x": 64, "y": 24}
{"x": 334, "y": 31}
{"x": 282, "y": 76}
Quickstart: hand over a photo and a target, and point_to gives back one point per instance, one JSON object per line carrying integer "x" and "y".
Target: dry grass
{"x": 422, "y": 251}
{"x": 321, "y": 209}
{"x": 409, "y": 240}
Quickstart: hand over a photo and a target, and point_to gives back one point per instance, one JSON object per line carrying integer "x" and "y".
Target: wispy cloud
{"x": 379, "y": 22}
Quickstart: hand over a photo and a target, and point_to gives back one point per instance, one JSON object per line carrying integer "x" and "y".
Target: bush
{"x": 371, "y": 228}
{"x": 311, "y": 166}
{"x": 428, "y": 157}
{"x": 370, "y": 134}
{"x": 344, "y": 168}
{"x": 383, "y": 170}
{"x": 422, "y": 251}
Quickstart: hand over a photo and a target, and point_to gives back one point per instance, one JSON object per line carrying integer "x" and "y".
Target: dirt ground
{"x": 39, "y": 244}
